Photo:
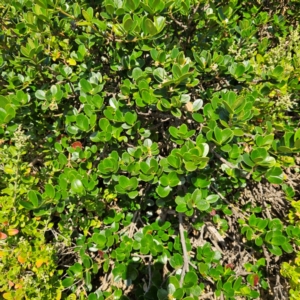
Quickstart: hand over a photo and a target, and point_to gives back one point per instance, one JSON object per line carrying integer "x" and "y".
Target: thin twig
{"x": 167, "y": 277}
{"x": 194, "y": 266}
{"x": 234, "y": 209}
{"x": 72, "y": 88}
{"x": 267, "y": 256}
{"x": 133, "y": 224}
{"x": 216, "y": 245}
{"x": 215, "y": 233}
{"x": 150, "y": 274}
{"x": 184, "y": 250}
{"x": 229, "y": 164}
{"x": 193, "y": 14}
{"x": 143, "y": 114}
{"x": 178, "y": 22}
{"x": 223, "y": 160}
{"x": 201, "y": 233}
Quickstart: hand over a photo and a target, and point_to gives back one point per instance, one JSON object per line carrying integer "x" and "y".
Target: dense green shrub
{"x": 125, "y": 128}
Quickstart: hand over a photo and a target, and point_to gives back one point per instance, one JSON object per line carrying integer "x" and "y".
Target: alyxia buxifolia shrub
{"x": 121, "y": 123}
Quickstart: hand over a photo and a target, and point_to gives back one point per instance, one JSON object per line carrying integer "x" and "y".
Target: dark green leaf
{"x": 278, "y": 240}
{"x": 27, "y": 205}
{"x": 33, "y": 198}
{"x": 275, "y": 175}
{"x": 85, "y": 85}
{"x": 287, "y": 247}
{"x": 176, "y": 261}
{"x": 275, "y": 250}
{"x": 49, "y": 190}
{"x": 67, "y": 282}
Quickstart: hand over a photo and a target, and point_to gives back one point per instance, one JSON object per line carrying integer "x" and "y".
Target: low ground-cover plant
{"x": 128, "y": 130}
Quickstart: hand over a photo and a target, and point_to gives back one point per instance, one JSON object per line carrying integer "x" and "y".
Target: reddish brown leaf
{"x": 255, "y": 280}
{"x": 229, "y": 266}
{"x": 76, "y": 144}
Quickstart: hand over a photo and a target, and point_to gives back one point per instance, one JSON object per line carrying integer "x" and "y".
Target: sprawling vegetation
{"x": 148, "y": 149}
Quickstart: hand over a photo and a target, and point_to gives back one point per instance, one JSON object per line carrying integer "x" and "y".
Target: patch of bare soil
{"x": 237, "y": 251}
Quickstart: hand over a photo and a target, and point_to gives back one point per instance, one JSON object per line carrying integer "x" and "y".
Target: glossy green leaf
{"x": 33, "y": 198}
{"x": 88, "y": 14}
{"x": 202, "y": 205}
{"x": 259, "y": 154}
{"x": 176, "y": 261}
{"x": 277, "y": 72}
{"x": 76, "y": 269}
{"x": 274, "y": 175}
{"x": 127, "y": 23}
{"x": 275, "y": 250}
{"x": 82, "y": 122}
{"x": 67, "y": 282}
{"x": 287, "y": 247}
{"x": 197, "y": 104}
{"x": 149, "y": 27}
{"x": 190, "y": 279}
{"x": 27, "y": 205}
{"x": 49, "y": 190}
{"x": 92, "y": 296}
{"x": 77, "y": 186}
{"x": 99, "y": 239}
{"x": 159, "y": 23}
{"x": 163, "y": 191}
{"x": 130, "y": 118}
{"x": 40, "y": 94}
{"x": 278, "y": 240}
{"x": 160, "y": 74}
{"x": 85, "y": 86}
{"x": 104, "y": 125}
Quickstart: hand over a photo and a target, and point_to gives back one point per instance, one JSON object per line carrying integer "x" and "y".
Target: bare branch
{"x": 178, "y": 23}
{"x": 184, "y": 250}
{"x": 234, "y": 209}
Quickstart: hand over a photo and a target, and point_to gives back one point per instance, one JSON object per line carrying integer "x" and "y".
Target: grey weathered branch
{"x": 184, "y": 250}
